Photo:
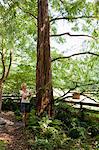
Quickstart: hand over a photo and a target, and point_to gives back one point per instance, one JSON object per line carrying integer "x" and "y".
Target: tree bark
{"x": 5, "y": 72}
{"x": 43, "y": 68}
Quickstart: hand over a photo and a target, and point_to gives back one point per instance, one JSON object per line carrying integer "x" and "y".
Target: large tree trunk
{"x": 43, "y": 69}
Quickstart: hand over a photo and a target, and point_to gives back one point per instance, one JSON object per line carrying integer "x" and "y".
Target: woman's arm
{"x": 23, "y": 94}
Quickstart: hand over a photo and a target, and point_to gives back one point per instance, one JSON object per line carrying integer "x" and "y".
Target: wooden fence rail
{"x": 11, "y": 97}
{"x": 17, "y": 98}
{"x": 83, "y": 103}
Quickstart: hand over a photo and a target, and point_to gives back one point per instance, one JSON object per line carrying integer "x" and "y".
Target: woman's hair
{"x": 23, "y": 85}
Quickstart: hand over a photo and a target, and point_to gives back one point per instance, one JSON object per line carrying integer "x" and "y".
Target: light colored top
{"x": 25, "y": 96}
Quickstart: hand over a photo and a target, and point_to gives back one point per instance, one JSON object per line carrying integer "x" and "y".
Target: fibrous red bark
{"x": 43, "y": 68}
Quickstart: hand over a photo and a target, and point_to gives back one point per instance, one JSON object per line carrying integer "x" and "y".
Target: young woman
{"x": 25, "y": 103}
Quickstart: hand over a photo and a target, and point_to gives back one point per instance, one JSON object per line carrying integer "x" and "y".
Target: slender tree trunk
{"x": 5, "y": 71}
{"x": 1, "y": 84}
{"x": 43, "y": 68}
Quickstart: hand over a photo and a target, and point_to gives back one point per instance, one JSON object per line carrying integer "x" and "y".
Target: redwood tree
{"x": 43, "y": 68}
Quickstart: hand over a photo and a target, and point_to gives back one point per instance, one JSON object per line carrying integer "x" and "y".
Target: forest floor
{"x": 13, "y": 133}
{"x": 14, "y": 136}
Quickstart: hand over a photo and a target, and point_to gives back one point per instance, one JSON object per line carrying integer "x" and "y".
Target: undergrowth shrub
{"x": 34, "y": 123}
{"x": 66, "y": 114}
{"x": 65, "y": 131}
{"x": 77, "y": 132}
{"x": 48, "y": 133}
{"x": 93, "y": 130}
{"x": 10, "y": 105}
{"x": 18, "y": 115}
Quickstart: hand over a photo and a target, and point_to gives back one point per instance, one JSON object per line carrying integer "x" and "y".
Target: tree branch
{"x": 89, "y": 97}
{"x": 71, "y": 89}
{"x": 77, "y": 54}
{"x": 73, "y": 18}
{"x": 31, "y": 14}
{"x": 67, "y": 33}
{"x": 28, "y": 13}
{"x": 8, "y": 70}
{"x": 62, "y": 97}
{"x": 3, "y": 63}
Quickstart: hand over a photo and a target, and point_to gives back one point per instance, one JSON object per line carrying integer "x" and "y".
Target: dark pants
{"x": 25, "y": 107}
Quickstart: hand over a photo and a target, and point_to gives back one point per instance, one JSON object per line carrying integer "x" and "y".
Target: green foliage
{"x": 93, "y": 130}
{"x": 77, "y": 132}
{"x": 79, "y": 73}
{"x": 9, "y": 105}
{"x": 22, "y": 73}
{"x": 65, "y": 114}
{"x": 48, "y": 133}
{"x": 34, "y": 123}
{"x": 41, "y": 144}
{"x": 66, "y": 130}
{"x": 2, "y": 145}
{"x": 18, "y": 115}
{"x": 18, "y": 30}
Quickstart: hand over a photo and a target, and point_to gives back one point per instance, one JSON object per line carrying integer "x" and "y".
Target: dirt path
{"x": 13, "y": 133}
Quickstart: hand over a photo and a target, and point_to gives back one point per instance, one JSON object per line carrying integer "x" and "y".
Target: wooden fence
{"x": 83, "y": 104}
{"x": 17, "y": 99}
